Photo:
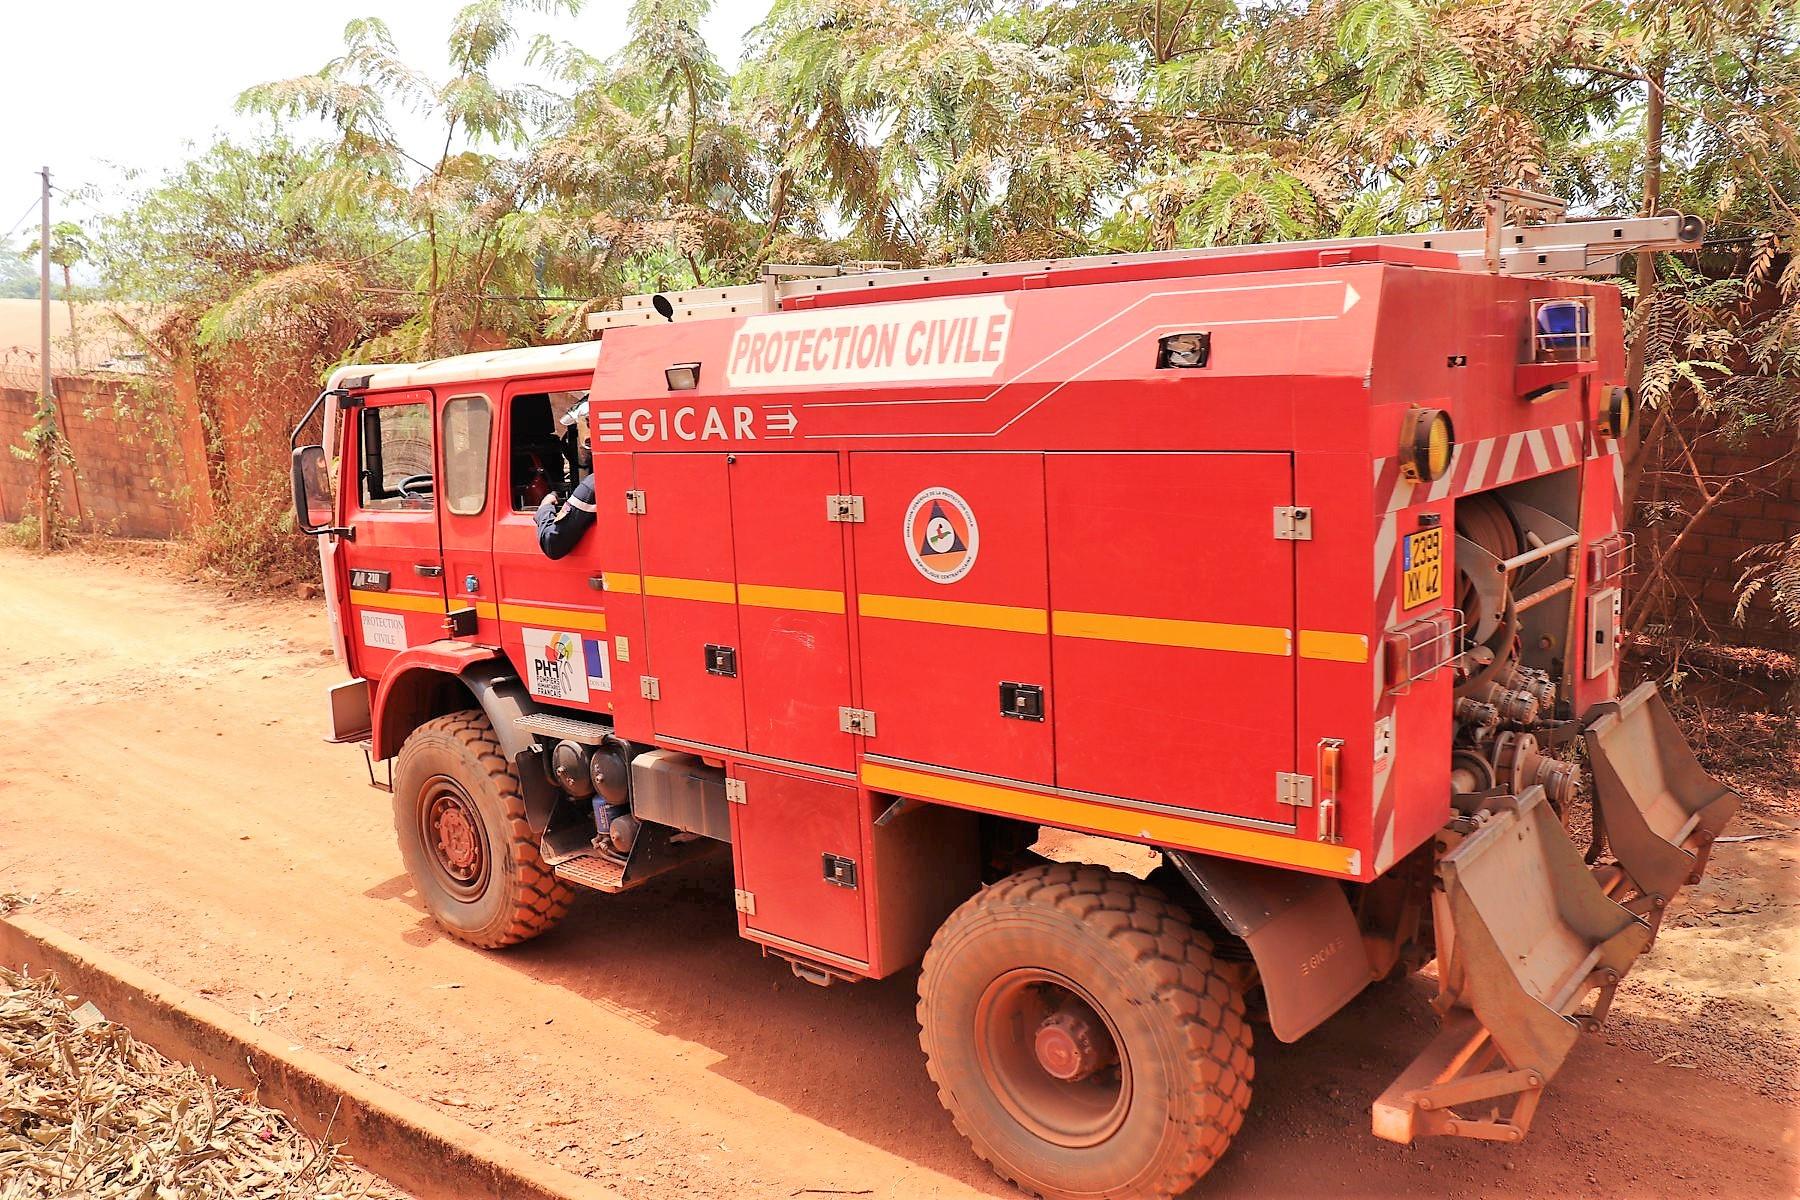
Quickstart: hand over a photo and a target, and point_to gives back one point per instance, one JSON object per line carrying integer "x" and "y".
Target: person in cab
{"x": 561, "y": 524}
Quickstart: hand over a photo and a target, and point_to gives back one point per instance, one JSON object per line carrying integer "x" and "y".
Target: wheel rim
{"x": 454, "y": 838}
{"x": 1052, "y": 1057}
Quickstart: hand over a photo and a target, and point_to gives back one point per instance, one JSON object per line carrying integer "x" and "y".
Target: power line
{"x": 15, "y": 225}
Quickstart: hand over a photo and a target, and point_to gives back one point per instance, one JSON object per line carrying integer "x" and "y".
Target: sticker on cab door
{"x": 1421, "y": 567}
{"x": 555, "y": 665}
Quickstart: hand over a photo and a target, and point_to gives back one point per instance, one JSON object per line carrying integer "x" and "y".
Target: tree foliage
{"x": 920, "y": 131}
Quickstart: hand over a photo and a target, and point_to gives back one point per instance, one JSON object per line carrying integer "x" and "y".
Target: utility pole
{"x": 45, "y": 383}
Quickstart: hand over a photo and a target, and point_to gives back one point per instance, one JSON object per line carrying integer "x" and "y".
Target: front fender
{"x": 420, "y": 683}
{"x": 441, "y": 677}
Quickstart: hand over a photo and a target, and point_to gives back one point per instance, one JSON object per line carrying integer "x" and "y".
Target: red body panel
{"x": 688, "y": 580}
{"x": 794, "y": 633}
{"x": 780, "y": 837}
{"x": 1195, "y": 655}
{"x": 934, "y": 654}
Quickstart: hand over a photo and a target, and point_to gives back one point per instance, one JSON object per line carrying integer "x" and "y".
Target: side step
{"x": 599, "y": 871}
{"x": 555, "y": 725}
{"x": 656, "y": 852}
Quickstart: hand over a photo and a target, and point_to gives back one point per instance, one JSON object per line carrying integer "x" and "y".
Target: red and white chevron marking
{"x": 1474, "y": 467}
{"x": 1489, "y": 463}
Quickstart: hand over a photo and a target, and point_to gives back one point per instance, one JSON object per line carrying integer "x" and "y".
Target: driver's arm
{"x": 559, "y": 529}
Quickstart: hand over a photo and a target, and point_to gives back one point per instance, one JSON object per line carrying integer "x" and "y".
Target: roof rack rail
{"x": 1552, "y": 244}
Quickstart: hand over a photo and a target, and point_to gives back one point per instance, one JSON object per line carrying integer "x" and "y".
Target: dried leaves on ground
{"x": 87, "y": 1111}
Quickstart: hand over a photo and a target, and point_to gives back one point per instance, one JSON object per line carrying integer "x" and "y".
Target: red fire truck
{"x": 1297, "y": 568}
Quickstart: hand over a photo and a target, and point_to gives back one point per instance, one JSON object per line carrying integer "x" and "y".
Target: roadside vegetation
{"x": 929, "y": 131}
{"x": 92, "y": 1112}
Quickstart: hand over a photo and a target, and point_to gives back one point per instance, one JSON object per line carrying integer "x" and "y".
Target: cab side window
{"x": 467, "y": 423}
{"x": 542, "y": 450}
{"x": 395, "y": 471}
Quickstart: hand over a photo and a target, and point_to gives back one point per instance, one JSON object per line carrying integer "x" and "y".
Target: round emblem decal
{"x": 941, "y": 535}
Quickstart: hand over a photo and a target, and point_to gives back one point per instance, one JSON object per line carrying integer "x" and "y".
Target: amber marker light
{"x": 1427, "y": 441}
{"x": 1617, "y": 411}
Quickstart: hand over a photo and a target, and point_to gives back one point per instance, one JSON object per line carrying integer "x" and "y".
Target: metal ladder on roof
{"x": 1525, "y": 233}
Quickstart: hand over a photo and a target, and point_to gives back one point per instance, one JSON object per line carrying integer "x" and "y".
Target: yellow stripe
{"x": 1150, "y": 631}
{"x": 759, "y": 595}
{"x": 559, "y": 618}
{"x": 404, "y": 601}
{"x": 1334, "y": 647}
{"x": 1155, "y": 828}
{"x": 954, "y": 612}
{"x": 689, "y": 589}
{"x": 1160, "y": 631}
{"x": 487, "y": 610}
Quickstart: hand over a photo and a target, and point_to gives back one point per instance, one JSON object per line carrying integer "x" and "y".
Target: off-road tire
{"x": 1154, "y": 978}
{"x": 521, "y": 897}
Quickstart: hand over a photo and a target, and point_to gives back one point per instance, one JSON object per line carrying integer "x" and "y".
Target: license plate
{"x": 1422, "y": 567}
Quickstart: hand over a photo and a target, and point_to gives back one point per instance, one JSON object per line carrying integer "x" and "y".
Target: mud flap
{"x": 1525, "y": 933}
{"x": 1300, "y": 930}
{"x": 1654, "y": 807}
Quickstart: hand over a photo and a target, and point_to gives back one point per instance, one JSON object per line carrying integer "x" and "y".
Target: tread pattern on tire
{"x": 1161, "y": 939}
{"x": 539, "y": 899}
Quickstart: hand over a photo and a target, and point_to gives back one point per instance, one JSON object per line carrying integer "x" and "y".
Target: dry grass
{"x": 86, "y": 1111}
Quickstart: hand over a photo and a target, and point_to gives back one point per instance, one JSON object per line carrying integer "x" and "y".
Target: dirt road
{"x": 165, "y": 793}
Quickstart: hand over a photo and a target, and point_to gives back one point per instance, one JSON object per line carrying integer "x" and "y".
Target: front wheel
{"x": 459, "y": 813}
{"x": 1082, "y": 1036}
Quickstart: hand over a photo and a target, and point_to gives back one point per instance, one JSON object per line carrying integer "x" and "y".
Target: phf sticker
{"x": 941, "y": 535}
{"x": 555, "y": 665}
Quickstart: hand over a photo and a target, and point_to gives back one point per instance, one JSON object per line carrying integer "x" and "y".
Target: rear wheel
{"x": 459, "y": 813}
{"x": 1082, "y": 1037}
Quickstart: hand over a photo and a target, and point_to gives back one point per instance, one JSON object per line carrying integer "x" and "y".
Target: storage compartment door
{"x": 952, "y": 610}
{"x": 1174, "y": 608}
{"x": 795, "y": 652}
{"x": 690, "y": 599}
{"x": 798, "y": 845}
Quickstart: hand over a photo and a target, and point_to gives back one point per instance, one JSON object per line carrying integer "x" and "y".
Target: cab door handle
{"x": 428, "y": 570}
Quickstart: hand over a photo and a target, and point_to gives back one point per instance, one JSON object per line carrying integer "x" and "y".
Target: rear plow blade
{"x": 1525, "y": 935}
{"x": 1654, "y": 807}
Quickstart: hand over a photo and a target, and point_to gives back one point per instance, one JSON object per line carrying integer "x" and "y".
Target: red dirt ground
{"x": 164, "y": 792}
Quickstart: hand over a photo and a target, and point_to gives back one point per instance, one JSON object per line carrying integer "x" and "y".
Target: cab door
{"x": 466, "y": 426}
{"x": 552, "y": 612}
{"x": 395, "y": 570}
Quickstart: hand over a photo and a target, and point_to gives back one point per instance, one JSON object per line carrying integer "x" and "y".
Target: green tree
{"x": 69, "y": 247}
{"x": 458, "y": 196}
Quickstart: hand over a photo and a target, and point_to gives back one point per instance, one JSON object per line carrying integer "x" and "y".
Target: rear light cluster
{"x": 1610, "y": 557}
{"x": 1418, "y": 649}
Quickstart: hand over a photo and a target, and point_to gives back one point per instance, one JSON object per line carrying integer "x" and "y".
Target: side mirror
{"x": 312, "y": 491}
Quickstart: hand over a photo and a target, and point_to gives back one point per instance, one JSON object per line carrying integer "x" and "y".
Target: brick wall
{"x": 126, "y": 483}
{"x": 1762, "y": 506}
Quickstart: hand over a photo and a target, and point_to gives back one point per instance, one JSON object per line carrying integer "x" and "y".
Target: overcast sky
{"x": 88, "y": 83}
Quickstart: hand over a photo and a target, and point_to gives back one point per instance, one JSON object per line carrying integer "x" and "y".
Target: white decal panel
{"x": 555, "y": 665}
{"x": 383, "y": 631}
{"x": 907, "y": 342}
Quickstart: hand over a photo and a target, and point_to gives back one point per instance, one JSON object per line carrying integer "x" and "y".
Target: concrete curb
{"x": 398, "y": 1138}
